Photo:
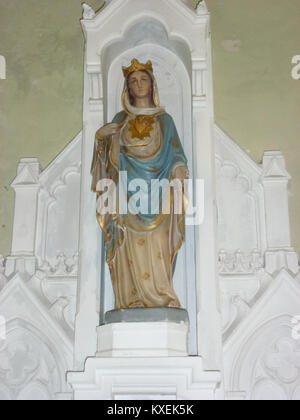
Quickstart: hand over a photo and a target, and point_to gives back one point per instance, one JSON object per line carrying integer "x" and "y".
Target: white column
{"x": 26, "y": 186}
{"x": 275, "y": 179}
{"x": 90, "y": 248}
{"x": 208, "y": 319}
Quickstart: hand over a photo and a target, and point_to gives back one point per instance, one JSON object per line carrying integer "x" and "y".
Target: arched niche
{"x": 261, "y": 360}
{"x": 32, "y": 367}
{"x": 148, "y": 40}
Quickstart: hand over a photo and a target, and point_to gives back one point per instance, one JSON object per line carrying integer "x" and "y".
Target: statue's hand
{"x": 108, "y": 130}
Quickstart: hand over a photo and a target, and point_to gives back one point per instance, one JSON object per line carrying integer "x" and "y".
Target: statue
{"x": 142, "y": 141}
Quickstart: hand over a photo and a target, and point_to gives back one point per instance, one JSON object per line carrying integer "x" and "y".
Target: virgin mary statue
{"x": 142, "y": 141}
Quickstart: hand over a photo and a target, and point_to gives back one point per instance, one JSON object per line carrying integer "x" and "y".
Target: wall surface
{"x": 256, "y": 100}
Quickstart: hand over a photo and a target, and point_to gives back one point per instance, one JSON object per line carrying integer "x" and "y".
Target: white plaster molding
{"x": 143, "y": 339}
{"x": 240, "y": 262}
{"x": 22, "y": 264}
{"x": 70, "y": 156}
{"x": 180, "y": 378}
{"x": 27, "y": 316}
{"x": 275, "y": 180}
{"x": 268, "y": 363}
{"x": 229, "y": 145}
{"x": 269, "y": 320}
{"x": 58, "y": 310}
{"x": 276, "y": 260}
{"x": 274, "y": 167}
{"x": 281, "y": 296}
{"x": 88, "y": 12}
{"x": 26, "y": 186}
{"x": 238, "y": 292}
{"x": 172, "y": 15}
{"x": 199, "y": 82}
{"x": 248, "y": 230}
{"x": 33, "y": 302}
{"x": 201, "y": 8}
{"x": 3, "y": 278}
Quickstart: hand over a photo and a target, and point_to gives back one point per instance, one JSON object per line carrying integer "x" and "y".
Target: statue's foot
{"x": 174, "y": 304}
{"x": 137, "y": 305}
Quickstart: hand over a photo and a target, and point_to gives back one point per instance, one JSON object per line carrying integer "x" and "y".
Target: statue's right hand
{"x": 108, "y": 130}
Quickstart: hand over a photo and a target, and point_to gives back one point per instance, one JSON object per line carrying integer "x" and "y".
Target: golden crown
{"x": 137, "y": 66}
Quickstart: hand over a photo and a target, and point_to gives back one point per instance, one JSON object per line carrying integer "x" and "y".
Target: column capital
{"x": 274, "y": 168}
{"x": 28, "y": 173}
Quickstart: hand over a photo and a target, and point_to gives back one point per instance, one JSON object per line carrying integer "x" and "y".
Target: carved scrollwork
{"x": 284, "y": 360}
{"x": 28, "y": 369}
{"x": 63, "y": 267}
{"x": 240, "y": 262}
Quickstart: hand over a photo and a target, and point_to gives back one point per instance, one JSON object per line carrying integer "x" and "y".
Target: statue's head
{"x": 140, "y": 86}
{"x": 140, "y": 81}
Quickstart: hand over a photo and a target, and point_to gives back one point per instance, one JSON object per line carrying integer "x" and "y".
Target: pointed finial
{"x": 201, "y": 8}
{"x": 88, "y": 12}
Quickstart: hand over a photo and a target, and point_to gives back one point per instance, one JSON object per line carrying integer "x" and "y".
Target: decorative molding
{"x": 20, "y": 264}
{"x": 3, "y": 278}
{"x": 28, "y": 369}
{"x": 283, "y": 359}
{"x": 28, "y": 173}
{"x": 231, "y": 147}
{"x": 64, "y": 266}
{"x": 279, "y": 259}
{"x": 199, "y": 79}
{"x": 282, "y": 284}
{"x": 240, "y": 262}
{"x": 201, "y": 8}
{"x": 58, "y": 310}
{"x": 274, "y": 167}
{"x": 181, "y": 378}
{"x": 61, "y": 181}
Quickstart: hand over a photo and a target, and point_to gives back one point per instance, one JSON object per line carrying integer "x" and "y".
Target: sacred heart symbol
{"x": 141, "y": 126}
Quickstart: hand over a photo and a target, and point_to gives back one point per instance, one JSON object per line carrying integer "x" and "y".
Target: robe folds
{"x": 141, "y": 248}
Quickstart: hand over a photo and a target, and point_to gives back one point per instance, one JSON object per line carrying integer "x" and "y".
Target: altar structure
{"x": 237, "y": 274}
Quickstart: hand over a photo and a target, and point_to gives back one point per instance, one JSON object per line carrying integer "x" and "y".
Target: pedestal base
{"x": 144, "y": 332}
{"x": 175, "y": 315}
{"x": 168, "y": 378}
{"x": 143, "y": 339}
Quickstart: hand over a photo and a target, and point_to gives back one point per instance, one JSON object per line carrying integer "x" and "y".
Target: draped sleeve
{"x": 101, "y": 150}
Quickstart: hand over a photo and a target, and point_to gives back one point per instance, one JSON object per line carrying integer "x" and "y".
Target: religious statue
{"x": 142, "y": 141}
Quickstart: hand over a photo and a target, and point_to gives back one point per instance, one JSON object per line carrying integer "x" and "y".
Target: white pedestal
{"x": 143, "y": 339}
{"x": 151, "y": 378}
{"x": 139, "y": 361}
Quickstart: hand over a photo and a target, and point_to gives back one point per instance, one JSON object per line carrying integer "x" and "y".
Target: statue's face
{"x": 140, "y": 85}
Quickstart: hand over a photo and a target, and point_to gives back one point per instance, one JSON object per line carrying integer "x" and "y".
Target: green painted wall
{"x": 256, "y": 100}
